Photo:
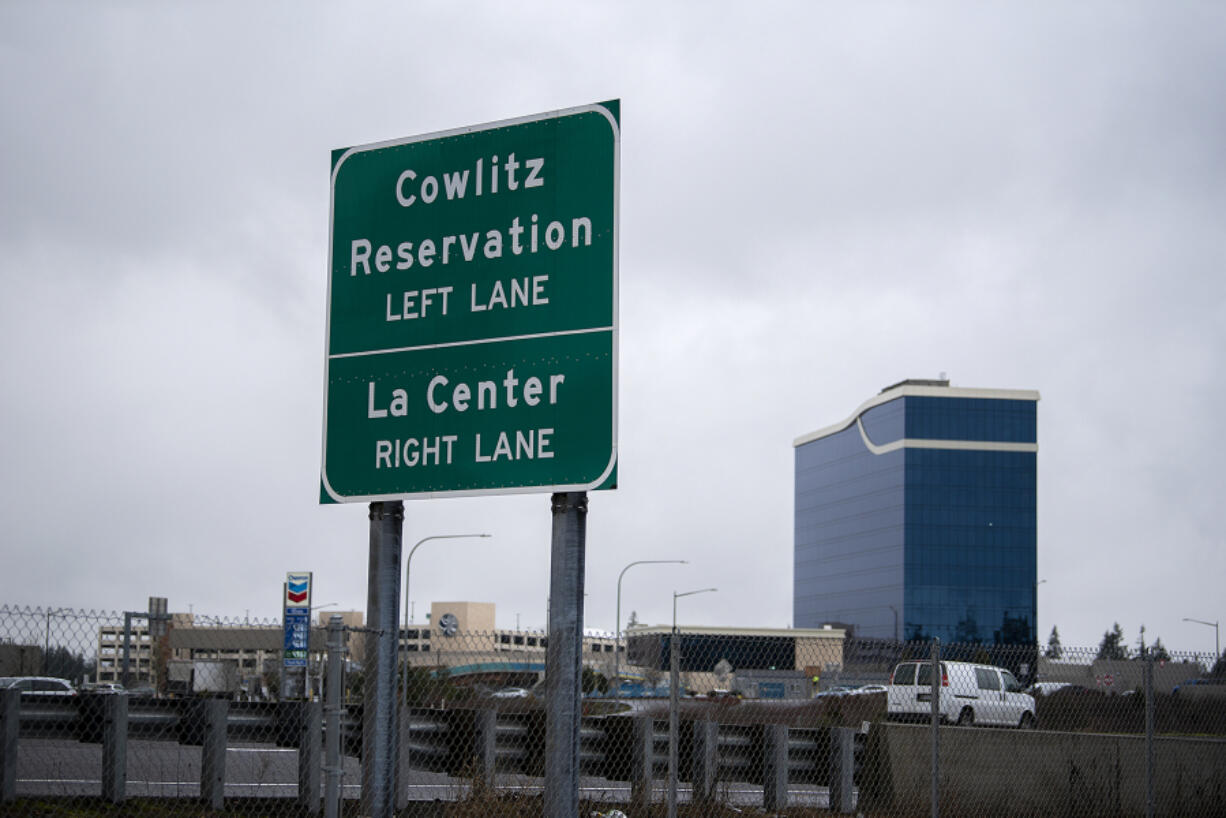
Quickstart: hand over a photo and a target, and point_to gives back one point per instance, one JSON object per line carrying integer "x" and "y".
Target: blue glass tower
{"x": 915, "y": 517}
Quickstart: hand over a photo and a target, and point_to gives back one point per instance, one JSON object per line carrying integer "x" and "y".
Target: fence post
{"x": 10, "y": 729}
{"x": 842, "y": 769}
{"x": 309, "y": 740}
{"x": 936, "y": 728}
{"x": 774, "y": 767}
{"x": 485, "y": 734}
{"x": 704, "y": 762}
{"x": 127, "y": 648}
{"x": 332, "y": 714}
{"x": 213, "y": 753}
{"x": 114, "y": 748}
{"x": 404, "y": 748}
{"x": 642, "y": 763}
{"x": 1149, "y": 736}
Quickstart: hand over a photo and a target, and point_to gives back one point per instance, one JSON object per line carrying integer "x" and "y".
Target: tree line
{"x": 1113, "y": 647}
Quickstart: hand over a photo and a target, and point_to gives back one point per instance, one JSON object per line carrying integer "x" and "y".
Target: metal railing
{"x": 463, "y": 743}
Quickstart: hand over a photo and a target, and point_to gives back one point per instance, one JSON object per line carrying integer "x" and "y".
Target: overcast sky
{"x": 817, "y": 200}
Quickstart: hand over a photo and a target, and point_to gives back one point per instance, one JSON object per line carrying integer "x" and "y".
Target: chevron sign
{"x": 298, "y": 590}
{"x": 297, "y": 610}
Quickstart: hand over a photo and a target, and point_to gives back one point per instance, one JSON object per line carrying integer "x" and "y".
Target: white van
{"x": 969, "y": 694}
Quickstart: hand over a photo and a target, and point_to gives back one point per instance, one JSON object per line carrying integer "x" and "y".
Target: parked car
{"x": 510, "y": 693}
{"x": 720, "y": 694}
{"x": 39, "y": 685}
{"x": 1210, "y": 687}
{"x": 870, "y": 688}
{"x": 1046, "y": 688}
{"x": 102, "y": 687}
{"x": 969, "y": 694}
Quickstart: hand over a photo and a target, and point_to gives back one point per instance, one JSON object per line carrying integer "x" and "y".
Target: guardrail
{"x": 463, "y": 742}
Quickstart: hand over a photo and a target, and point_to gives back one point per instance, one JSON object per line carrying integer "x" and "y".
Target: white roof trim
{"x": 928, "y": 443}
{"x": 914, "y": 390}
{"x": 709, "y": 630}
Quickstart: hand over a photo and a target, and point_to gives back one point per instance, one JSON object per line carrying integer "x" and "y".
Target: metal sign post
{"x": 564, "y": 655}
{"x": 379, "y": 689}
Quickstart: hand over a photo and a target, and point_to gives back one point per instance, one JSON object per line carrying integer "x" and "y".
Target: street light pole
{"x": 47, "y": 638}
{"x": 319, "y": 672}
{"x": 1217, "y": 644}
{"x": 674, "y": 673}
{"x": 399, "y": 641}
{"x": 617, "y": 629}
{"x": 1037, "y": 633}
{"x": 409, "y": 561}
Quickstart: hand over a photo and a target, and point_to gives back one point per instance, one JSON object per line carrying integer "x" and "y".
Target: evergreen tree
{"x": 1112, "y": 646}
{"x": 1141, "y": 645}
{"x": 65, "y": 664}
{"x": 1157, "y": 651}
{"x": 593, "y": 682}
{"x": 1054, "y": 650}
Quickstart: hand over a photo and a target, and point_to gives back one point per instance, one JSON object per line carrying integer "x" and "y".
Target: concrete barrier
{"x": 1015, "y": 772}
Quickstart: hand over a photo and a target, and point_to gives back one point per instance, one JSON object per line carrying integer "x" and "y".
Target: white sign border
{"x": 598, "y": 108}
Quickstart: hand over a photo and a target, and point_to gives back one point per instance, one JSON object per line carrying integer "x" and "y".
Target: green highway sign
{"x": 471, "y": 345}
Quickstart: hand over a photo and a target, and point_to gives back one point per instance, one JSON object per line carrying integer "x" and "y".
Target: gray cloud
{"x": 816, "y": 201}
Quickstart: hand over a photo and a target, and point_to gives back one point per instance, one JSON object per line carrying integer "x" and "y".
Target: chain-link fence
{"x": 149, "y": 713}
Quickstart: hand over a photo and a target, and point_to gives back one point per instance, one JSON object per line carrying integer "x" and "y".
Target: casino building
{"x": 915, "y": 517}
